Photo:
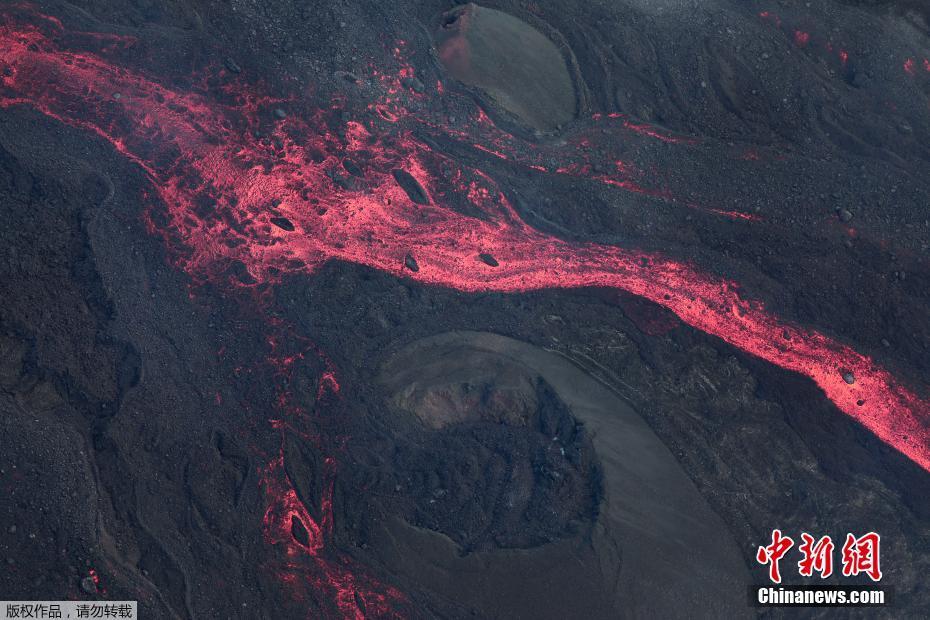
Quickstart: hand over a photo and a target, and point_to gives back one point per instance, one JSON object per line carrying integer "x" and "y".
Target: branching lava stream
{"x": 227, "y": 202}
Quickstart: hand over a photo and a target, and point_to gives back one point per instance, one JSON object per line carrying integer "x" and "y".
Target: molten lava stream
{"x": 193, "y": 151}
{"x": 227, "y": 198}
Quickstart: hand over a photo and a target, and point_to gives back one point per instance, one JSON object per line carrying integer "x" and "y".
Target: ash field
{"x": 511, "y": 309}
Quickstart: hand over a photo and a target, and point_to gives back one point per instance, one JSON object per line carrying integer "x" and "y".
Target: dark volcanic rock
{"x": 522, "y": 467}
{"x": 411, "y": 186}
{"x": 487, "y": 259}
{"x": 232, "y": 66}
{"x": 414, "y": 84}
{"x": 283, "y": 223}
{"x": 352, "y": 168}
{"x": 299, "y": 531}
{"x": 88, "y": 585}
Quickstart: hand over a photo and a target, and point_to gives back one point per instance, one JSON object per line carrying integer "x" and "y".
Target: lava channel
{"x": 229, "y": 202}
{"x": 199, "y": 151}
{"x": 320, "y": 188}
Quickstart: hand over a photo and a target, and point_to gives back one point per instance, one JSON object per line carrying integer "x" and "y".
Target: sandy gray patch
{"x": 518, "y": 67}
{"x": 655, "y": 533}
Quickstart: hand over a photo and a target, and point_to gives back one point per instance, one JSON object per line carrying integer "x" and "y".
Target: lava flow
{"x": 286, "y": 205}
{"x": 316, "y": 187}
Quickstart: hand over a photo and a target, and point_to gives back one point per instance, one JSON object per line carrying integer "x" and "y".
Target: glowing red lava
{"x": 319, "y": 188}
{"x": 803, "y": 38}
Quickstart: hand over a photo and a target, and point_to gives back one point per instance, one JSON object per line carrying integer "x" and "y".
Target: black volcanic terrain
{"x": 430, "y": 309}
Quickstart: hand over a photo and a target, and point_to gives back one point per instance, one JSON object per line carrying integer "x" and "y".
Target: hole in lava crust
{"x": 411, "y": 186}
